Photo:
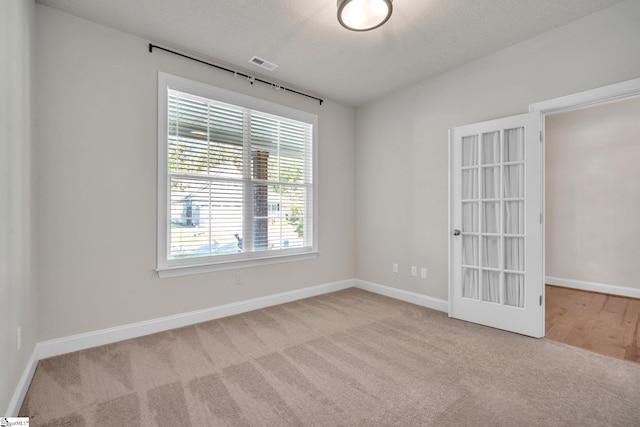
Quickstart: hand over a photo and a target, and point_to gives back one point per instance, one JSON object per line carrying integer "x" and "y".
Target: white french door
{"x": 495, "y": 217}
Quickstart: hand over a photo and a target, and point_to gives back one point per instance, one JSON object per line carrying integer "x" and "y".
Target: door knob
{"x": 456, "y": 232}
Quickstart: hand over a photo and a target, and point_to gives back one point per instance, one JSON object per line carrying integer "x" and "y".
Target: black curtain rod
{"x": 237, "y": 73}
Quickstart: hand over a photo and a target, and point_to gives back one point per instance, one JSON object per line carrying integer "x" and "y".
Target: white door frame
{"x": 577, "y": 101}
{"x": 588, "y": 98}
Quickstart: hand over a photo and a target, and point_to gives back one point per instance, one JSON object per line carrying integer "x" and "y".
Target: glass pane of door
{"x": 493, "y": 213}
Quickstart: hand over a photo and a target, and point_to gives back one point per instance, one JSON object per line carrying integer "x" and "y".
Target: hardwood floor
{"x": 601, "y": 323}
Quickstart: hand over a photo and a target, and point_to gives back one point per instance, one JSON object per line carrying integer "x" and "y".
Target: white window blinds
{"x": 239, "y": 182}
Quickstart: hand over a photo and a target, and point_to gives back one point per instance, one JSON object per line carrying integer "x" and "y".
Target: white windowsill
{"x": 184, "y": 270}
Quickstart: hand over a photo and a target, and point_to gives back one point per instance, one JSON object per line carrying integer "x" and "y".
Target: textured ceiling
{"x": 314, "y": 53}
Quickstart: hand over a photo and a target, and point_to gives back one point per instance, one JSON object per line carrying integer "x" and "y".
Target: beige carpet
{"x": 349, "y": 358}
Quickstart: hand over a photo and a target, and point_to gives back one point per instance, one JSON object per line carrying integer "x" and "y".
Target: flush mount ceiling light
{"x": 363, "y": 15}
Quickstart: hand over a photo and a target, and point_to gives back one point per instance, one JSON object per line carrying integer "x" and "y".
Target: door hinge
{"x": 540, "y": 218}
{"x": 540, "y": 300}
{"x": 540, "y": 136}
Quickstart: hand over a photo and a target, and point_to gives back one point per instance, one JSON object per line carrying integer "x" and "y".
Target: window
{"x": 235, "y": 179}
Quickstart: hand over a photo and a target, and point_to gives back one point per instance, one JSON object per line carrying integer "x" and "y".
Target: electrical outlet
{"x": 239, "y": 279}
{"x": 423, "y": 273}
{"x": 19, "y": 338}
{"x": 395, "y": 267}
{"x": 414, "y": 270}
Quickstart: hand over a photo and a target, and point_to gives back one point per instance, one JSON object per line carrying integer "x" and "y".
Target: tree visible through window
{"x": 239, "y": 181}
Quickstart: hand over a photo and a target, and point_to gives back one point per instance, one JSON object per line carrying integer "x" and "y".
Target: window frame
{"x": 177, "y": 267}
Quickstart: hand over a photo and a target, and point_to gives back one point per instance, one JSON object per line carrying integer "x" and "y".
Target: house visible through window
{"x": 236, "y": 177}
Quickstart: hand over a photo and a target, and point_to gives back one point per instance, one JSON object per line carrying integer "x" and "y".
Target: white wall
{"x": 401, "y": 140}
{"x": 96, "y": 160}
{"x": 592, "y": 194}
{"x": 17, "y": 290}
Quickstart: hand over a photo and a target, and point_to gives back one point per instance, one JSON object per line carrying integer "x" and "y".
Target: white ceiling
{"x": 314, "y": 53}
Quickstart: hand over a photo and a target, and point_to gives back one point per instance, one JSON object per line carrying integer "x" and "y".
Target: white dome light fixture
{"x": 363, "y": 15}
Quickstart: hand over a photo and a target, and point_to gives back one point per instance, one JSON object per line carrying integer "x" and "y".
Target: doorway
{"x": 469, "y": 168}
{"x": 592, "y": 195}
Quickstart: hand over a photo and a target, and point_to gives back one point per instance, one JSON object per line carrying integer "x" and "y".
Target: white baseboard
{"x": 83, "y": 341}
{"x": 23, "y": 385}
{"x": 594, "y": 287}
{"x": 407, "y": 296}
